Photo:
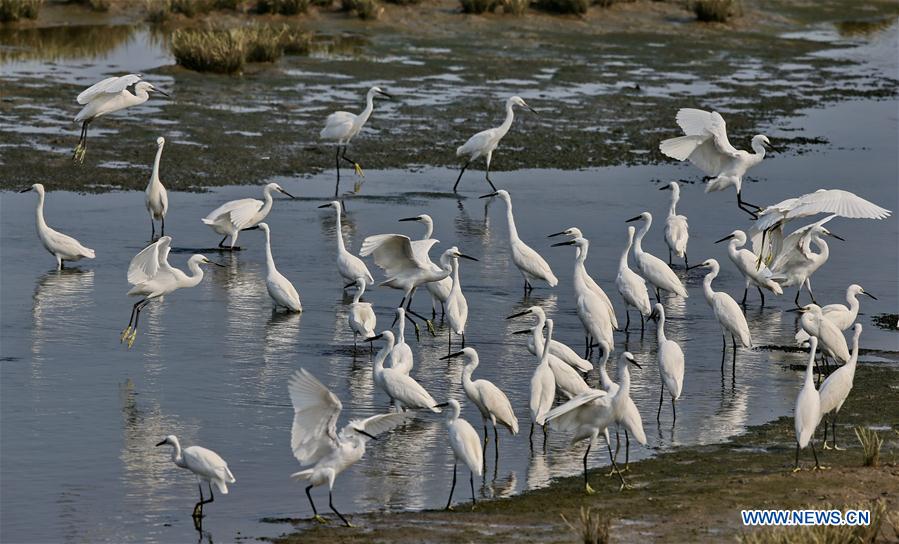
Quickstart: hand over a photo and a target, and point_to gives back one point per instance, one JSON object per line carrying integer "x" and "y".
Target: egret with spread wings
{"x": 796, "y": 262}
{"x": 232, "y": 217}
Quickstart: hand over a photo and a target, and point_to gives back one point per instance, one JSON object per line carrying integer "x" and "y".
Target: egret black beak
{"x": 635, "y": 363}
{"x": 526, "y": 331}
{"x": 519, "y": 314}
{"x": 466, "y": 257}
{"x": 373, "y": 338}
{"x": 360, "y": 431}
{"x": 409, "y": 219}
{"x": 488, "y": 196}
{"x": 771, "y": 147}
{"x": 556, "y": 234}
{"x": 568, "y": 243}
{"x": 215, "y": 263}
{"x": 26, "y": 189}
{"x": 328, "y": 205}
{"x": 161, "y": 444}
{"x": 665, "y": 188}
{"x": 632, "y": 219}
{"x": 385, "y": 95}
{"x": 869, "y": 294}
{"x": 286, "y": 193}
{"x": 838, "y": 237}
{"x": 451, "y": 355}
{"x": 163, "y": 93}
{"x": 728, "y": 237}
{"x": 532, "y": 110}
{"x": 696, "y": 266}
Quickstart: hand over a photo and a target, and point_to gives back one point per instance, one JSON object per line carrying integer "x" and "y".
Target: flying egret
{"x": 580, "y": 270}
{"x": 677, "y": 232}
{"x": 402, "y": 389}
{"x": 747, "y": 263}
{"x": 466, "y": 446}
{"x": 61, "y": 246}
{"x": 232, "y": 217}
{"x": 157, "y": 198}
{"x": 484, "y": 143}
{"x": 839, "y": 314}
{"x": 401, "y": 355}
{"x": 568, "y": 381}
{"x": 349, "y": 266}
{"x": 343, "y": 126}
{"x": 651, "y": 267}
{"x": 830, "y": 337}
{"x": 671, "y": 364}
{"x": 456, "y": 306}
{"x": 705, "y": 144}
{"x": 440, "y": 289}
{"x": 153, "y": 277}
{"x": 626, "y": 413}
{"x": 362, "y": 317}
{"x": 807, "y": 414}
{"x": 727, "y": 312}
{"x": 283, "y": 293}
{"x": 796, "y": 262}
{"x": 556, "y": 348}
{"x": 543, "y": 386}
{"x": 206, "y": 465}
{"x": 529, "y": 262}
{"x": 631, "y": 286}
{"x": 108, "y": 96}
{"x": 835, "y": 389}
{"x": 314, "y": 438}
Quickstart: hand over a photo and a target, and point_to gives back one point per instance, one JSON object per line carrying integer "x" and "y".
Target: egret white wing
{"x": 378, "y": 424}
{"x": 315, "y": 413}
{"x": 392, "y": 253}
{"x": 111, "y": 85}
{"x": 208, "y": 463}
{"x": 145, "y": 265}
{"x": 338, "y": 125}
{"x": 838, "y": 202}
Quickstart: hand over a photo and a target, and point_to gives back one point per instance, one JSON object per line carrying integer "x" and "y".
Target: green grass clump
{"x": 282, "y": 7}
{"x": 589, "y": 528}
{"x": 478, "y": 6}
{"x": 364, "y": 9}
{"x": 578, "y": 7}
{"x": 13, "y": 10}
{"x": 871, "y": 443}
{"x": 296, "y": 42}
{"x": 716, "y": 11}
{"x": 220, "y": 51}
{"x": 263, "y": 44}
{"x": 826, "y": 534}
{"x": 515, "y": 7}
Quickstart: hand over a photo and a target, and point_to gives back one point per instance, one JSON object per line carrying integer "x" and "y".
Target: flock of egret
{"x": 586, "y": 412}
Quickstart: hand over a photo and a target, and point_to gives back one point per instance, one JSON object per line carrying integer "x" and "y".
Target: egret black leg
{"x": 309, "y": 494}
{"x": 463, "y": 340}
{"x": 686, "y": 264}
{"x": 628, "y": 314}
{"x": 495, "y": 446}
{"x": 152, "y": 229}
{"x": 337, "y": 165}
{"x": 452, "y": 487}
{"x": 458, "y": 179}
{"x": 627, "y": 451}
{"x": 673, "y": 413}
{"x": 745, "y": 292}
{"x": 669, "y": 256}
{"x": 746, "y": 206}
{"x": 198, "y": 508}
{"x": 163, "y": 225}
{"x": 642, "y": 322}
{"x": 733, "y": 369}
{"x": 615, "y": 467}
{"x": 814, "y": 453}
{"x": 488, "y": 177}
{"x": 222, "y": 243}
{"x": 833, "y": 426}
{"x": 661, "y": 398}
{"x": 796, "y": 466}
{"x": 796, "y": 300}
{"x": 658, "y": 295}
{"x": 761, "y": 294}
{"x": 587, "y": 487}
{"x": 531, "y": 436}
{"x": 331, "y": 505}
{"x": 471, "y": 481}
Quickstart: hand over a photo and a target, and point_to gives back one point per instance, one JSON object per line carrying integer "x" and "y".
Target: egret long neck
{"x": 429, "y": 230}
{"x": 176, "y": 454}
{"x": 360, "y": 288}
{"x": 759, "y": 150}
{"x": 853, "y": 357}
{"x": 267, "y": 206}
{"x": 513, "y": 232}
{"x": 624, "y": 378}
{"x": 852, "y": 299}
{"x": 672, "y": 208}
{"x": 622, "y": 262}
{"x": 366, "y": 113}
{"x": 457, "y": 287}
{"x": 268, "y": 252}
{"x": 707, "y": 285}
{"x": 604, "y": 380}
{"x": 382, "y": 355}
{"x": 468, "y": 370}
{"x": 154, "y": 179}
{"x": 39, "y": 213}
{"x": 196, "y": 275}
{"x": 340, "y": 246}
{"x": 507, "y": 123}
{"x": 401, "y": 329}
{"x": 638, "y": 241}
{"x": 660, "y": 330}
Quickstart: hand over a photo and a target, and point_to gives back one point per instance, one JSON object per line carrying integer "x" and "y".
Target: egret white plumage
{"x": 343, "y": 126}
{"x": 580, "y": 270}
{"x": 556, "y": 348}
{"x": 830, "y": 337}
{"x": 232, "y": 217}
{"x": 440, "y": 289}
{"x": 839, "y": 314}
{"x": 401, "y": 358}
{"x": 671, "y": 364}
{"x": 568, "y": 381}
{"x": 349, "y": 266}
{"x": 484, "y": 143}
{"x": 631, "y": 286}
{"x": 796, "y": 262}
{"x": 835, "y": 389}
{"x": 807, "y": 414}
{"x": 626, "y": 413}
{"x": 653, "y": 269}
{"x": 456, "y": 305}
{"x": 543, "y": 386}
{"x": 362, "y": 317}
{"x": 677, "y": 231}
{"x": 61, "y": 246}
{"x": 107, "y": 96}
{"x": 747, "y": 263}
{"x": 727, "y": 312}
{"x": 206, "y": 465}
{"x": 466, "y": 447}
{"x": 407, "y": 393}
{"x": 705, "y": 144}
{"x": 314, "y": 438}
{"x": 157, "y": 198}
{"x": 283, "y": 293}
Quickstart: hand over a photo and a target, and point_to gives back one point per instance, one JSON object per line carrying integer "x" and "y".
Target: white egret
{"x": 314, "y": 438}
{"x": 206, "y": 465}
{"x": 153, "y": 277}
{"x": 839, "y": 314}
{"x": 343, "y": 126}
{"x": 283, "y": 293}
{"x": 651, "y": 267}
{"x": 349, "y": 266}
{"x": 626, "y": 413}
{"x": 568, "y": 381}
{"x": 402, "y": 389}
{"x": 727, "y": 312}
{"x": 362, "y": 317}
{"x": 543, "y": 386}
{"x": 61, "y": 246}
{"x": 484, "y": 143}
{"x": 671, "y": 364}
{"x": 232, "y": 217}
{"x": 705, "y": 144}
{"x": 747, "y": 263}
{"x": 466, "y": 446}
{"x": 677, "y": 232}
{"x": 108, "y": 96}
{"x": 581, "y": 270}
{"x": 830, "y": 337}
{"x": 556, "y": 348}
{"x": 401, "y": 358}
{"x": 529, "y": 262}
{"x": 456, "y": 306}
{"x": 807, "y": 414}
{"x": 835, "y": 389}
{"x": 440, "y": 289}
{"x": 157, "y": 198}
{"x": 631, "y": 286}
{"x": 796, "y": 262}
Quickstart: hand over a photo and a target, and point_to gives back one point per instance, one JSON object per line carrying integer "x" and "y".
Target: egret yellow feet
{"x": 78, "y": 154}
{"x": 125, "y": 334}
{"x": 359, "y": 171}
{"x": 131, "y": 338}
{"x": 588, "y": 490}
{"x": 431, "y": 328}
{"x": 319, "y": 519}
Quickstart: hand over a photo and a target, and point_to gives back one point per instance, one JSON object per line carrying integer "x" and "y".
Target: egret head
{"x": 454, "y": 409}
{"x": 579, "y": 242}
{"x": 536, "y": 310}
{"x": 518, "y": 101}
{"x": 763, "y": 141}
{"x": 376, "y": 91}
{"x": 658, "y": 312}
{"x": 37, "y": 188}
{"x": 170, "y": 439}
{"x": 570, "y": 231}
{"x": 471, "y": 356}
{"x": 810, "y": 308}
{"x": 673, "y": 186}
{"x": 738, "y": 236}
{"x": 645, "y": 216}
{"x": 147, "y": 87}
{"x": 160, "y": 141}
{"x": 275, "y": 187}
{"x": 333, "y": 204}
{"x": 826, "y": 232}
{"x": 263, "y": 227}
{"x": 201, "y": 259}
{"x": 629, "y": 358}
{"x": 857, "y": 289}
{"x": 387, "y": 336}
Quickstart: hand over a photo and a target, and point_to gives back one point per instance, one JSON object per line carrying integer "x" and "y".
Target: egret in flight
{"x": 580, "y": 271}
{"x": 671, "y": 364}
{"x": 484, "y": 143}
{"x": 796, "y": 262}
{"x": 705, "y": 144}
{"x": 835, "y": 389}
{"x": 439, "y": 290}
{"x": 402, "y": 389}
{"x": 727, "y": 313}
{"x": 631, "y": 286}
{"x": 349, "y": 266}
{"x": 283, "y": 293}
{"x": 651, "y": 267}
{"x": 61, "y": 246}
{"x": 747, "y": 263}
{"x": 107, "y": 96}
{"x": 807, "y": 414}
{"x": 206, "y": 465}
{"x": 556, "y": 348}
{"x": 838, "y": 314}
{"x": 232, "y": 217}
{"x": 343, "y": 126}
{"x": 466, "y": 446}
{"x": 317, "y": 444}
{"x": 157, "y": 198}
{"x": 677, "y": 232}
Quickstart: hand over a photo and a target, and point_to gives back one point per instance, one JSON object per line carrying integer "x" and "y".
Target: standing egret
{"x": 153, "y": 277}
{"x": 581, "y": 270}
{"x": 483, "y": 143}
{"x": 342, "y": 126}
{"x": 556, "y": 348}
{"x": 401, "y": 355}
{"x": 839, "y": 314}
{"x": 830, "y": 337}
{"x": 157, "y": 199}
{"x": 651, "y": 267}
{"x": 626, "y": 413}
{"x": 705, "y": 144}
{"x": 362, "y": 317}
{"x": 747, "y": 263}
{"x": 283, "y": 293}
{"x": 671, "y": 365}
{"x": 108, "y": 96}
{"x": 440, "y": 289}
{"x": 314, "y": 438}
{"x": 796, "y": 262}
{"x": 677, "y": 232}
{"x": 807, "y": 414}
{"x": 206, "y": 465}
{"x": 727, "y": 312}
{"x": 529, "y": 262}
{"x": 402, "y": 389}
{"x": 835, "y": 389}
{"x": 232, "y": 217}
{"x": 631, "y": 286}
{"x": 61, "y": 246}
{"x": 543, "y": 386}
{"x": 466, "y": 446}
{"x": 349, "y": 266}
{"x": 456, "y": 306}
{"x": 568, "y": 381}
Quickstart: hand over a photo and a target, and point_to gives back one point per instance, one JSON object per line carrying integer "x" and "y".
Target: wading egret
{"x": 232, "y": 217}
{"x": 466, "y": 447}
{"x": 529, "y": 262}
{"x": 830, "y": 337}
{"x": 671, "y": 365}
{"x": 807, "y": 414}
{"x": 677, "y": 232}
{"x": 835, "y": 389}
{"x": 157, "y": 198}
{"x": 402, "y": 389}
{"x": 206, "y": 465}
{"x": 483, "y": 143}
{"x": 796, "y": 262}
{"x": 342, "y": 126}
{"x": 440, "y": 289}
{"x": 314, "y": 438}
{"x": 361, "y": 317}
{"x": 705, "y": 144}
{"x": 581, "y": 271}
{"x": 747, "y": 263}
{"x": 543, "y": 386}
{"x": 631, "y": 286}
{"x": 61, "y": 246}
{"x": 556, "y": 348}
{"x": 349, "y": 266}
{"x": 401, "y": 355}
{"x": 283, "y": 293}
{"x": 727, "y": 312}
{"x": 456, "y": 305}
{"x": 839, "y": 314}
{"x": 568, "y": 381}
{"x": 626, "y": 413}
{"x": 107, "y": 96}
{"x": 153, "y": 277}
{"x": 651, "y": 267}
